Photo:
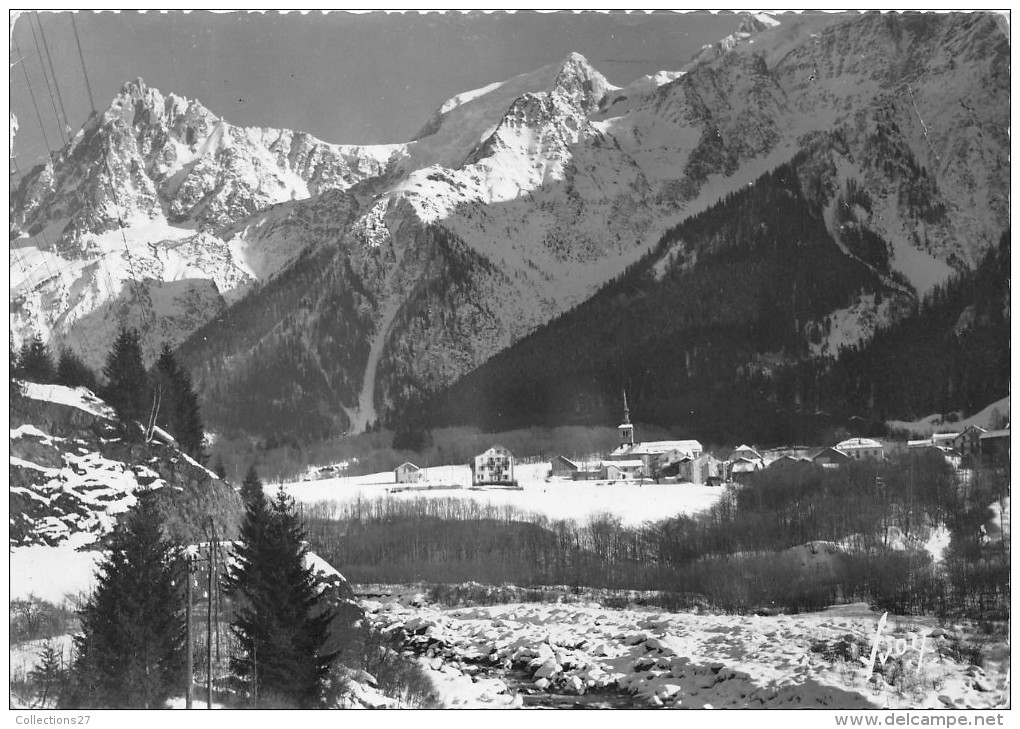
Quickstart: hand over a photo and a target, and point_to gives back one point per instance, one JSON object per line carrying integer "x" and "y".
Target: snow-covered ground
{"x": 937, "y": 424}
{"x": 631, "y": 501}
{"x": 688, "y": 660}
{"x": 78, "y": 397}
{"x": 52, "y": 573}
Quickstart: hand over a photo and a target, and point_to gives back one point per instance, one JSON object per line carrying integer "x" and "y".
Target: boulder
{"x": 548, "y": 669}
{"x": 573, "y": 685}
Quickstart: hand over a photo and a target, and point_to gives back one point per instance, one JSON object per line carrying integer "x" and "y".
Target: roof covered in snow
{"x": 658, "y": 447}
{"x": 851, "y": 443}
{"x": 624, "y": 464}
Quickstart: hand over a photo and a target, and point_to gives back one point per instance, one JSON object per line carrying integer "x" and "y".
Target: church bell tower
{"x": 626, "y": 427}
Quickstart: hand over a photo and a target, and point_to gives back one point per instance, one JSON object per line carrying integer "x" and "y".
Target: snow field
{"x": 682, "y": 660}
{"x": 631, "y": 501}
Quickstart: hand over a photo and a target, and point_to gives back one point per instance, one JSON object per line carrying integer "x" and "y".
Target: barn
{"x": 562, "y": 467}
{"x": 407, "y": 472}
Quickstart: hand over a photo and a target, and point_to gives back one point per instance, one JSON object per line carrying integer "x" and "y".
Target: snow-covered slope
{"x": 991, "y": 417}
{"x": 73, "y": 473}
{"x": 417, "y": 261}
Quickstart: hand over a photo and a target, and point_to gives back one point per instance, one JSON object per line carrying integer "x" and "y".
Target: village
{"x": 686, "y": 462}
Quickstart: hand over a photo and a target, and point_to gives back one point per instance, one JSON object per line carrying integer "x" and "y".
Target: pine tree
{"x": 73, "y": 372}
{"x": 251, "y": 488}
{"x": 131, "y": 650}
{"x": 282, "y": 621}
{"x": 49, "y": 673}
{"x": 179, "y": 411}
{"x": 219, "y": 469}
{"x": 34, "y": 361}
{"x": 127, "y": 384}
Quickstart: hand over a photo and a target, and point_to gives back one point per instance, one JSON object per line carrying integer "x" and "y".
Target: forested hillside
{"x": 713, "y": 331}
{"x": 695, "y": 346}
{"x": 952, "y": 353}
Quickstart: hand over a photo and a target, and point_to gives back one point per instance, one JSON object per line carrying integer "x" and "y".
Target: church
{"x": 652, "y": 453}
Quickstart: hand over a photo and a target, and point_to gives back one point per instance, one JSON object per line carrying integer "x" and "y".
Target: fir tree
{"x": 282, "y": 621}
{"x": 251, "y": 489}
{"x": 49, "y": 673}
{"x": 34, "y": 361}
{"x": 179, "y": 411}
{"x": 127, "y": 385}
{"x": 73, "y": 372}
{"x": 131, "y": 650}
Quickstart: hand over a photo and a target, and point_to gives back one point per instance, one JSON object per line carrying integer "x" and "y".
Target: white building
{"x": 862, "y": 449}
{"x": 494, "y": 467}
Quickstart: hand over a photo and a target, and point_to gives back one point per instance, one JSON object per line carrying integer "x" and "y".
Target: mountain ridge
{"x": 556, "y": 193}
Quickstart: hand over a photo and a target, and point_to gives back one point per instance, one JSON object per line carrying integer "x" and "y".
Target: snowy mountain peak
{"x": 581, "y": 82}
{"x": 756, "y": 23}
{"x": 751, "y": 24}
{"x": 141, "y": 105}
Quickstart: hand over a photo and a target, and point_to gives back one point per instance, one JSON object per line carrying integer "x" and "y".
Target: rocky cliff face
{"x": 378, "y": 273}
{"x": 73, "y": 471}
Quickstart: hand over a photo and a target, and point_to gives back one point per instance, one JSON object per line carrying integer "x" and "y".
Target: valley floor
{"x": 633, "y": 502}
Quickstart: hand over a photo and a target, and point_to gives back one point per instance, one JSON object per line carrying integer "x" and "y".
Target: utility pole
{"x": 209, "y": 614}
{"x": 189, "y": 677}
{"x": 217, "y": 585}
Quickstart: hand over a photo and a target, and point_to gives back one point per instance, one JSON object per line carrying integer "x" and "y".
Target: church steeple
{"x": 626, "y": 428}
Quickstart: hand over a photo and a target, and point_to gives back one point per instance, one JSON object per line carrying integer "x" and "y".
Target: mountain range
{"x": 320, "y": 288}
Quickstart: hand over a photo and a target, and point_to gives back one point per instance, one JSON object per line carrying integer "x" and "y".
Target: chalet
{"x": 631, "y": 470}
{"x": 861, "y": 449}
{"x": 407, "y": 473}
{"x": 995, "y": 447}
{"x": 830, "y": 458}
{"x": 793, "y": 451}
{"x": 968, "y": 442}
{"x": 740, "y": 467}
{"x": 787, "y": 461}
{"x": 649, "y": 453}
{"x": 747, "y": 453}
{"x": 494, "y": 467}
{"x": 949, "y": 455}
{"x": 563, "y": 468}
{"x": 703, "y": 469}
{"x": 672, "y": 468}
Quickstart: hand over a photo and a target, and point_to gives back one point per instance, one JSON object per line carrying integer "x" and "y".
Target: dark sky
{"x": 347, "y": 78}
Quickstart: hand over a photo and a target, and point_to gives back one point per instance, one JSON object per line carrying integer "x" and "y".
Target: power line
{"x": 53, "y": 72}
{"x": 31, "y": 93}
{"x": 92, "y": 100}
{"x": 46, "y": 78}
{"x": 113, "y": 192}
{"x": 59, "y": 275}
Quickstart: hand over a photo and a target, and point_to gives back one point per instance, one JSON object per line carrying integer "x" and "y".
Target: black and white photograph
{"x": 510, "y": 359}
